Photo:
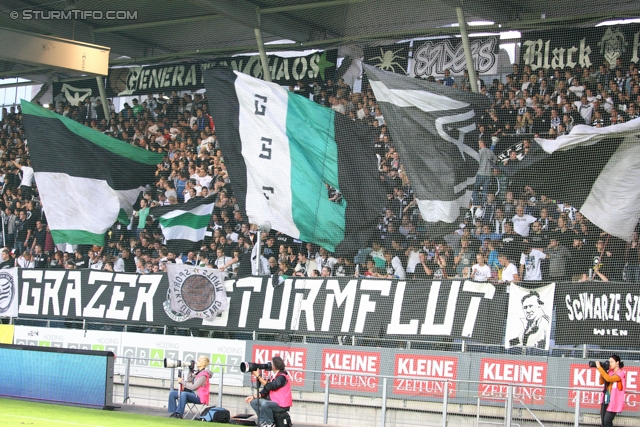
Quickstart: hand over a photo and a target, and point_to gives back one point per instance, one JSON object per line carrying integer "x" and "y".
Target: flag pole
{"x": 473, "y": 82}
{"x": 262, "y": 228}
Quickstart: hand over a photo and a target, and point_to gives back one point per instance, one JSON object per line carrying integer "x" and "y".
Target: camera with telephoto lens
{"x": 171, "y": 363}
{"x": 251, "y": 366}
{"x": 605, "y": 364}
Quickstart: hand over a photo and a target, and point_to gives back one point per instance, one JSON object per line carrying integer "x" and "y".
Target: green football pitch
{"x": 35, "y": 414}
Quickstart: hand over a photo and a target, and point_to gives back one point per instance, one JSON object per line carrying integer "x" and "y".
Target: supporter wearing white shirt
{"x": 521, "y": 222}
{"x": 530, "y": 262}
{"x": 480, "y": 272}
{"x": 509, "y": 271}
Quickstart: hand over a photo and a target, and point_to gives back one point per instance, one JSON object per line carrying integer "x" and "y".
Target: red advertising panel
{"x": 424, "y": 371}
{"x": 294, "y": 358}
{"x": 582, "y": 376}
{"x": 351, "y": 362}
{"x": 530, "y": 377}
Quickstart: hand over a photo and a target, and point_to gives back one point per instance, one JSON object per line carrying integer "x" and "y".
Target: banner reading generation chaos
{"x": 333, "y": 307}
{"x": 581, "y": 47}
{"x": 135, "y": 81}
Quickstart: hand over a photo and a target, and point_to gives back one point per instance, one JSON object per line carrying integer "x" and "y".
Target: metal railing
{"x": 510, "y": 397}
{"x": 583, "y": 351}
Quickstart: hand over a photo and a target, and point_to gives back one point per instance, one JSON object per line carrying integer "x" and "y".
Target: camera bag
{"x": 282, "y": 419}
{"x": 215, "y": 415}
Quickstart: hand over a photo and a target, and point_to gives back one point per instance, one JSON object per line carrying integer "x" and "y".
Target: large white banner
{"x": 529, "y": 318}
{"x": 151, "y": 349}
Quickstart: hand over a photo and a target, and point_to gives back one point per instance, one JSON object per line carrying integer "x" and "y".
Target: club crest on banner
{"x": 196, "y": 291}
{"x": 612, "y": 45}
{"x": 8, "y": 293}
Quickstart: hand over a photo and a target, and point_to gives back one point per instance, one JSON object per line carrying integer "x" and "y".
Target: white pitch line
{"x": 53, "y": 421}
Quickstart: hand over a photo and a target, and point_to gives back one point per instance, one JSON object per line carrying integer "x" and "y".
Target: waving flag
{"x": 283, "y": 151}
{"x": 184, "y": 224}
{"x": 85, "y": 178}
{"x": 434, "y": 129}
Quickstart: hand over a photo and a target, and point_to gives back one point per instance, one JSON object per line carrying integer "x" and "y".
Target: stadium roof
{"x": 169, "y": 30}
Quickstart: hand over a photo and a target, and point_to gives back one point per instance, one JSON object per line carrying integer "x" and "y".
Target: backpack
{"x": 214, "y": 414}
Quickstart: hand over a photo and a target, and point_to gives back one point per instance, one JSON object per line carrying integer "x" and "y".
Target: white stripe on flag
{"x": 70, "y": 202}
{"x": 183, "y": 232}
{"x": 265, "y": 148}
{"x": 440, "y": 210}
{"x": 421, "y": 99}
{"x": 614, "y": 201}
{"x": 583, "y": 135}
{"x": 201, "y": 210}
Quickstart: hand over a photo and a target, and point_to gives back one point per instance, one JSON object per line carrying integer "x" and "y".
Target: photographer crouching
{"x": 275, "y": 395}
{"x": 613, "y": 377}
{"x": 194, "y": 388}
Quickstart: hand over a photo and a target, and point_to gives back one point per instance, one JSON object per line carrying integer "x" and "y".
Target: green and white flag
{"x": 283, "y": 152}
{"x": 85, "y": 178}
{"x": 184, "y": 224}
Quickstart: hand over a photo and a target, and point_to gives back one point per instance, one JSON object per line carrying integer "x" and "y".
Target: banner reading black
{"x": 377, "y": 308}
{"x": 606, "y": 314}
{"x": 136, "y": 81}
{"x": 582, "y": 47}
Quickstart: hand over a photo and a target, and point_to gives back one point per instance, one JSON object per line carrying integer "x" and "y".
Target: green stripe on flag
{"x": 108, "y": 143}
{"x": 77, "y": 237}
{"x": 314, "y": 162}
{"x": 123, "y": 217}
{"x": 187, "y": 220}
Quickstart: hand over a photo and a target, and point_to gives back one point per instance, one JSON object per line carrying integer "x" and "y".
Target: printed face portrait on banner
{"x": 529, "y": 317}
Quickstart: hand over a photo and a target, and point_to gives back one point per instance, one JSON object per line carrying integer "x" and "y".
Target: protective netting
{"x": 534, "y": 180}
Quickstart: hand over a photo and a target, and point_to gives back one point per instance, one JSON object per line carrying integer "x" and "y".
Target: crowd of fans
{"x": 509, "y": 233}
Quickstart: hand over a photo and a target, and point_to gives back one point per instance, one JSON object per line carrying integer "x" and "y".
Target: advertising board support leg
{"x": 383, "y": 415}
{"x": 576, "y": 409}
{"x": 126, "y": 397}
{"x": 445, "y": 401}
{"x": 509, "y": 408}
{"x": 327, "y": 379}
{"x": 220, "y": 378}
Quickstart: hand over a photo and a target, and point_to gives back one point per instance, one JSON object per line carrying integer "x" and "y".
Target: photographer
{"x": 275, "y": 396}
{"x": 614, "y": 388}
{"x": 195, "y": 388}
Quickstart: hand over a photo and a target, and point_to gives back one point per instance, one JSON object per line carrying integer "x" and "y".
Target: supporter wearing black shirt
{"x": 7, "y": 261}
{"x": 581, "y": 260}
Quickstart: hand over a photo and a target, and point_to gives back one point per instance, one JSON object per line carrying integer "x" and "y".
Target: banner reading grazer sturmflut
{"x": 196, "y": 291}
{"x": 606, "y": 314}
{"x": 568, "y": 48}
{"x": 335, "y": 307}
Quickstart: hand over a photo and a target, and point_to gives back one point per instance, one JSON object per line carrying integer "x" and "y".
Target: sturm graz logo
{"x": 173, "y": 315}
{"x": 195, "y": 292}
{"x": 7, "y": 291}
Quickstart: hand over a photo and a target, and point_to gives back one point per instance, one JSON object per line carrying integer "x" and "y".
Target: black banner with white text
{"x": 376, "y": 308}
{"x": 562, "y": 48}
{"x": 605, "y": 314}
